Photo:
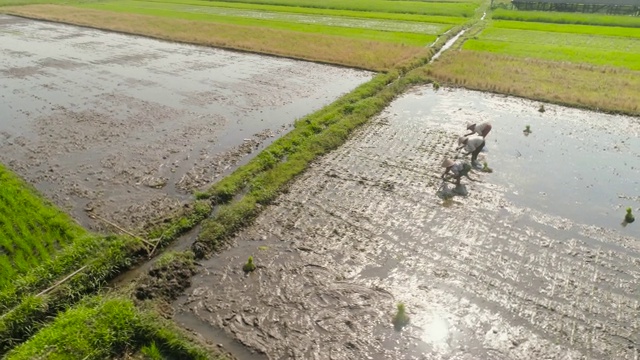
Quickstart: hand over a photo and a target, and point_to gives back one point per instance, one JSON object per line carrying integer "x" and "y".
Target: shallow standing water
{"x": 533, "y": 264}
{"x": 127, "y": 126}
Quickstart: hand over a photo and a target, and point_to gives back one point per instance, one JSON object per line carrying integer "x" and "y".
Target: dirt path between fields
{"x": 533, "y": 264}
{"x": 127, "y": 127}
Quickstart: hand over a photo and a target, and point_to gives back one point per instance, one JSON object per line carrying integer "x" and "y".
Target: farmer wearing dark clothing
{"x": 481, "y": 129}
{"x": 472, "y": 146}
{"x": 456, "y": 170}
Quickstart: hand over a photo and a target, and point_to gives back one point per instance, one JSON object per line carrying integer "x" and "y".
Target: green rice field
{"x": 408, "y": 33}
{"x": 408, "y": 23}
{"x": 447, "y": 8}
{"x": 596, "y": 45}
{"x": 31, "y": 229}
{"x": 567, "y": 18}
{"x": 343, "y": 11}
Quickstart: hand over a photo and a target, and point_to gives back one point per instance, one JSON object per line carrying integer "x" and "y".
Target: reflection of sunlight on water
{"x": 436, "y": 331}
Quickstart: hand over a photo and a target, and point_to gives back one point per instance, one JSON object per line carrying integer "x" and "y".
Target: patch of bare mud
{"x": 127, "y": 127}
{"x": 503, "y": 273}
{"x": 22, "y": 72}
{"x": 59, "y": 64}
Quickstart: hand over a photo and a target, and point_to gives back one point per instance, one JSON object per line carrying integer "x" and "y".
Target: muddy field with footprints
{"x": 534, "y": 263}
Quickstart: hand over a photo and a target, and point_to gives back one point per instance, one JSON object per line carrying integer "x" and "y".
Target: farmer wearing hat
{"x": 458, "y": 169}
{"x": 481, "y": 129}
{"x": 472, "y": 146}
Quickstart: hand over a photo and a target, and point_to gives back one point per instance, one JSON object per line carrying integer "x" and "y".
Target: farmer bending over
{"x": 480, "y": 129}
{"x": 458, "y": 169}
{"x": 472, "y": 146}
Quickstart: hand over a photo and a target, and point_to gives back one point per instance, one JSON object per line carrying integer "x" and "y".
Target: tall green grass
{"x": 31, "y": 229}
{"x": 22, "y": 313}
{"x": 567, "y": 18}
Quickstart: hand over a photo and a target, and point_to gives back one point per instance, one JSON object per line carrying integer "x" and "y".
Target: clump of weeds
{"x": 151, "y": 352}
{"x": 436, "y": 85}
{"x": 249, "y": 266}
{"x": 527, "y": 130}
{"x": 401, "y": 319}
{"x": 628, "y": 217}
{"x": 486, "y": 168}
{"x": 541, "y": 108}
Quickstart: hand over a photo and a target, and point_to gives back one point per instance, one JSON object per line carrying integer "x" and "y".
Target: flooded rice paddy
{"x": 534, "y": 263}
{"x": 127, "y": 126}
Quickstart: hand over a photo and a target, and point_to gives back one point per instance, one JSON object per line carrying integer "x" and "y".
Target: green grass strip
{"x": 571, "y": 29}
{"x": 567, "y": 18}
{"x": 412, "y": 39}
{"x": 309, "y": 19}
{"x": 103, "y": 328}
{"x": 456, "y": 9}
{"x": 31, "y": 312}
{"x": 320, "y": 11}
{"x": 266, "y": 175}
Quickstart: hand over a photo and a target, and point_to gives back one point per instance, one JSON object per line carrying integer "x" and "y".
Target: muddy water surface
{"x": 533, "y": 264}
{"x": 127, "y": 126}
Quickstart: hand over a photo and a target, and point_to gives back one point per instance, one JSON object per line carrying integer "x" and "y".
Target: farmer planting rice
{"x": 481, "y": 129}
{"x": 457, "y": 170}
{"x": 473, "y": 146}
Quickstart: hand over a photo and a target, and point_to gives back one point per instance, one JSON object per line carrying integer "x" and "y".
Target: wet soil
{"x": 128, "y": 127}
{"x": 533, "y": 264}
{"x": 166, "y": 281}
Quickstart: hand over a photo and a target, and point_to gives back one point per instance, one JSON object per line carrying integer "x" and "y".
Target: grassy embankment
{"x": 333, "y": 32}
{"x": 576, "y": 65}
{"x": 106, "y": 327}
{"x": 35, "y": 297}
{"x": 40, "y": 247}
